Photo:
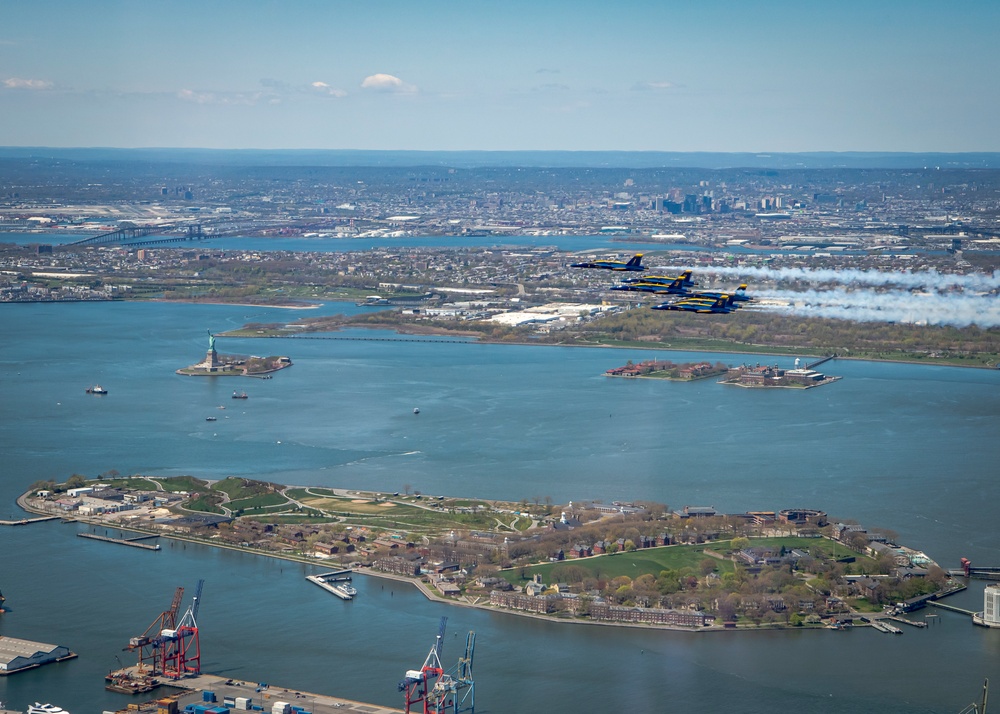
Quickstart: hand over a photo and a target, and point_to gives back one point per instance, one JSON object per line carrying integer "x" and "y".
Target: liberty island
{"x": 215, "y": 365}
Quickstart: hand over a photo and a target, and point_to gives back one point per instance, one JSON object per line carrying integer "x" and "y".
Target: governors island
{"x": 630, "y": 564}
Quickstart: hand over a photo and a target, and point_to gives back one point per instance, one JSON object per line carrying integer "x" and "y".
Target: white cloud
{"x": 325, "y": 88}
{"x": 387, "y": 83}
{"x": 652, "y": 86}
{"x": 17, "y": 83}
{"x": 228, "y": 98}
{"x": 189, "y": 95}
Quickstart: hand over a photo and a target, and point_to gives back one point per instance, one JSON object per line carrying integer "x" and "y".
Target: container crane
{"x": 150, "y": 643}
{"x": 455, "y": 690}
{"x": 418, "y": 681}
{"x": 182, "y": 646}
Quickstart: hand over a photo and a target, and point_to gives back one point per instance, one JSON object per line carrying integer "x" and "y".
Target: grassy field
{"x": 634, "y": 564}
{"x": 263, "y": 500}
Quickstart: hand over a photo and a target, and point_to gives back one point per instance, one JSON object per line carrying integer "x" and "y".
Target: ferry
{"x": 96, "y": 389}
{"x": 335, "y": 583}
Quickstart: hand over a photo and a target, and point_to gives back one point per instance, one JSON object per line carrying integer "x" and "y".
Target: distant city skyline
{"x": 781, "y": 76}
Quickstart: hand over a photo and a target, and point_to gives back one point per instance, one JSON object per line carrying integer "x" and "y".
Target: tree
{"x": 740, "y": 543}
{"x": 75, "y": 481}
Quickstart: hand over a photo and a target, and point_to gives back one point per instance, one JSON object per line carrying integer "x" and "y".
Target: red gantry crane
{"x": 418, "y": 681}
{"x": 182, "y": 647}
{"x": 150, "y": 643}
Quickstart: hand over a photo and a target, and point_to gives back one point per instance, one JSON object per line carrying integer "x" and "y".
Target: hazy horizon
{"x": 518, "y": 158}
{"x": 777, "y": 76}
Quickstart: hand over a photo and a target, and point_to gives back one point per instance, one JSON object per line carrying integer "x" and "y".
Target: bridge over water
{"x": 127, "y": 235}
{"x": 442, "y": 340}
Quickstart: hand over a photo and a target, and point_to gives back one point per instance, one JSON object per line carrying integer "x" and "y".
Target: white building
{"x": 990, "y": 616}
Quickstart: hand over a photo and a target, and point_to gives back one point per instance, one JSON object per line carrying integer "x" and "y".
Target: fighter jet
{"x": 676, "y": 287}
{"x": 635, "y": 264}
{"x": 684, "y": 279}
{"x": 721, "y": 304}
{"x": 738, "y": 295}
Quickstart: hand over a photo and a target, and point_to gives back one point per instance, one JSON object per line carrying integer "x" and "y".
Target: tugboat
{"x": 240, "y": 395}
{"x": 96, "y": 389}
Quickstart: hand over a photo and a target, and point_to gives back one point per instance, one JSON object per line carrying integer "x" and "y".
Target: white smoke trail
{"x": 874, "y": 295}
{"x": 956, "y": 310}
{"x": 929, "y": 279}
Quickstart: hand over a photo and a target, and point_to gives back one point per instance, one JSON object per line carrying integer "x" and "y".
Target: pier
{"x": 817, "y": 363}
{"x": 215, "y": 691}
{"x": 333, "y": 583}
{"x": 935, "y": 603}
{"x": 904, "y": 621}
{"x": 26, "y": 521}
{"x": 124, "y": 541}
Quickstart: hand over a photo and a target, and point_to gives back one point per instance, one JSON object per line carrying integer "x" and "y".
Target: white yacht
{"x": 38, "y": 708}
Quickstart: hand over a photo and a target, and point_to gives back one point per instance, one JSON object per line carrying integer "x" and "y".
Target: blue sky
{"x": 705, "y": 75}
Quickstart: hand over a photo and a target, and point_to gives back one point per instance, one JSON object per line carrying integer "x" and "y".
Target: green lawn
{"x": 262, "y": 501}
{"x": 639, "y": 562}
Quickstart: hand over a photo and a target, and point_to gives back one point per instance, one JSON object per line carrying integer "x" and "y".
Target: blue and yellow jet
{"x": 675, "y": 287}
{"x": 722, "y": 304}
{"x": 738, "y": 295}
{"x": 635, "y": 264}
{"x": 684, "y": 279}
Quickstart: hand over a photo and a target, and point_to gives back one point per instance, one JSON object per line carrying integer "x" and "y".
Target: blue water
{"x": 614, "y": 244}
{"x": 905, "y": 447}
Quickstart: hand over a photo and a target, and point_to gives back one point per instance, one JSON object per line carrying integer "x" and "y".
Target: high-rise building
{"x": 990, "y": 616}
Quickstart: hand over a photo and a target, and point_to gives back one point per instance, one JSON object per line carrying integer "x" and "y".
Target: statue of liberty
{"x": 211, "y": 341}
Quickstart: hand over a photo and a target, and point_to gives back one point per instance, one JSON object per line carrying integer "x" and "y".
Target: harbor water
{"x": 911, "y": 448}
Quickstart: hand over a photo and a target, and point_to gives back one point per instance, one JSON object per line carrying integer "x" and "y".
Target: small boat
{"x": 38, "y": 708}
{"x": 416, "y": 410}
{"x": 211, "y": 419}
{"x": 96, "y": 389}
{"x": 240, "y": 395}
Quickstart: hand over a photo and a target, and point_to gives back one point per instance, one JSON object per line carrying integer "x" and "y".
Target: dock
{"x": 883, "y": 626}
{"x": 333, "y": 582}
{"x": 904, "y": 621}
{"x": 26, "y": 521}
{"x": 124, "y": 541}
{"x": 935, "y": 603}
{"x": 215, "y": 691}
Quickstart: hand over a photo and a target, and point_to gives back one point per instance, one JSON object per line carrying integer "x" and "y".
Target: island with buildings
{"x": 665, "y": 369}
{"x": 769, "y": 376}
{"x": 216, "y": 365}
{"x": 638, "y": 564}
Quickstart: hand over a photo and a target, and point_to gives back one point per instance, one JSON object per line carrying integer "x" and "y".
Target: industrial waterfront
{"x": 910, "y": 448}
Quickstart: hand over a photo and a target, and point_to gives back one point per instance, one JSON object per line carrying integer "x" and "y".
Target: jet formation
{"x": 686, "y": 300}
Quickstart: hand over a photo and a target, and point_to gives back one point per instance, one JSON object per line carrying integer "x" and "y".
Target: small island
{"x": 665, "y": 369}
{"x": 216, "y": 365}
{"x": 768, "y": 376}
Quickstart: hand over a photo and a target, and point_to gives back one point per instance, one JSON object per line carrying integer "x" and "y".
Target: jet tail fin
{"x": 635, "y": 262}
